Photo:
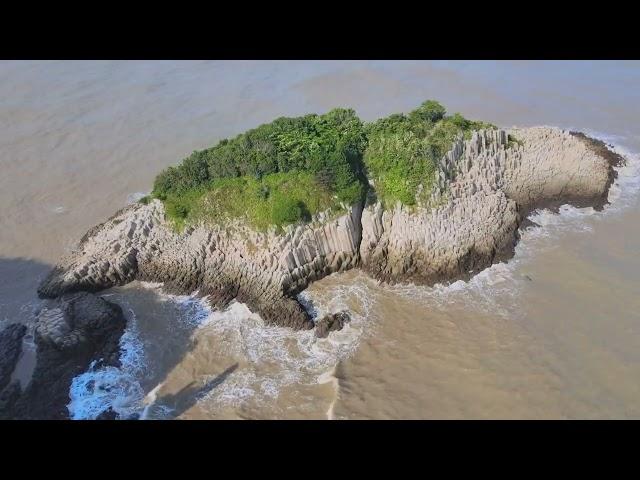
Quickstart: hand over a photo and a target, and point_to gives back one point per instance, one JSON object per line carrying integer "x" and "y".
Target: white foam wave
{"x": 274, "y": 357}
{"x": 99, "y": 389}
{"x": 96, "y": 390}
{"x": 120, "y": 388}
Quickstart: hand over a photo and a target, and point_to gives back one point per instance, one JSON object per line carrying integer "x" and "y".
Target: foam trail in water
{"x": 120, "y": 388}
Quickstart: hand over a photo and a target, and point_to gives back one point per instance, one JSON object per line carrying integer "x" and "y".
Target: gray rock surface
{"x": 108, "y": 414}
{"x": 331, "y": 323}
{"x": 485, "y": 187}
{"x": 263, "y": 270}
{"x": 10, "y": 349}
{"x": 8, "y": 398}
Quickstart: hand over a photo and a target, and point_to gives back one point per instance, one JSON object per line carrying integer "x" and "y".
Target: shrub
{"x": 403, "y": 150}
{"x": 317, "y": 143}
{"x": 430, "y": 111}
{"x": 287, "y": 170}
{"x": 512, "y": 140}
{"x": 288, "y": 210}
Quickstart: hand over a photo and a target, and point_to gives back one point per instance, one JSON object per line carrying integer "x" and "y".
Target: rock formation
{"x": 263, "y": 270}
{"x": 10, "y": 349}
{"x": 485, "y": 187}
{"x": 331, "y": 323}
{"x": 71, "y": 332}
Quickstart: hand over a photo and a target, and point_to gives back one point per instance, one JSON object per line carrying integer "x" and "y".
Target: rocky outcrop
{"x": 108, "y": 414}
{"x": 331, "y": 323}
{"x": 71, "y": 333}
{"x": 484, "y": 188}
{"x": 10, "y": 348}
{"x": 263, "y": 270}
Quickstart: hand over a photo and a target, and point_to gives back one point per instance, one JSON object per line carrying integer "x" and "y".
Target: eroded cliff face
{"x": 484, "y": 188}
{"x": 263, "y": 270}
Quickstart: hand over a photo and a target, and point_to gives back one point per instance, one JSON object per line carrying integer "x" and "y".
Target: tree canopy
{"x": 331, "y": 155}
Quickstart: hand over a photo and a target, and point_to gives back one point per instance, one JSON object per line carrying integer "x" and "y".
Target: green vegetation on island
{"x": 403, "y": 151}
{"x": 292, "y": 168}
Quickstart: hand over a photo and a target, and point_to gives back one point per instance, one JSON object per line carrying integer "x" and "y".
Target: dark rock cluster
{"x": 331, "y": 323}
{"x": 71, "y": 332}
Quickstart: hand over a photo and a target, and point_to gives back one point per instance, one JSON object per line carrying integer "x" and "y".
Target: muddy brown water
{"x": 554, "y": 333}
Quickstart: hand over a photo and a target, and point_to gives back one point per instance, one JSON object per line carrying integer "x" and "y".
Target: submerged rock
{"x": 331, "y": 323}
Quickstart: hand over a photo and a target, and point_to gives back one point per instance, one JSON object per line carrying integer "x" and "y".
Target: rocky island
{"x": 421, "y": 198}
{"x": 424, "y": 197}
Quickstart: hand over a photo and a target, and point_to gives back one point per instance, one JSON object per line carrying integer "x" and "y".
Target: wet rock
{"x": 8, "y": 398}
{"x": 71, "y": 333}
{"x": 108, "y": 414}
{"x": 10, "y": 349}
{"x": 331, "y": 323}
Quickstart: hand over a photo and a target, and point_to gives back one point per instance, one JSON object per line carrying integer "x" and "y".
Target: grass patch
{"x": 278, "y": 199}
{"x": 403, "y": 151}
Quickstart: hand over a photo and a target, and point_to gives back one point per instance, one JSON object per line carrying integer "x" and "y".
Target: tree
{"x": 429, "y": 111}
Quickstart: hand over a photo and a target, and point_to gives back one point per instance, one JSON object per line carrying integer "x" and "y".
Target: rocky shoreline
{"x": 486, "y": 187}
{"x": 71, "y": 333}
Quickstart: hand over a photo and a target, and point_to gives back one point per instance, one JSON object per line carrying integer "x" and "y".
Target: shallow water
{"x": 552, "y": 334}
